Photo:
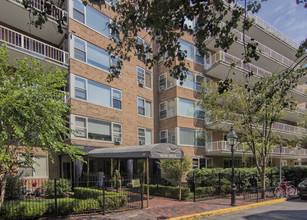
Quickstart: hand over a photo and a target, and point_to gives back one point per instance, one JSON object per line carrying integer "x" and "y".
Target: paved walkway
{"x": 163, "y": 208}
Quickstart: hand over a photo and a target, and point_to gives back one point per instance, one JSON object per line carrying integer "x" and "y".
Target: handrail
{"x": 224, "y": 146}
{"x": 33, "y": 46}
{"x": 288, "y": 128}
{"x": 56, "y": 12}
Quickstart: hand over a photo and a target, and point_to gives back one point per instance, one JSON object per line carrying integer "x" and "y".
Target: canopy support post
{"x": 180, "y": 179}
{"x": 147, "y": 166}
{"x": 88, "y": 172}
{"x": 111, "y": 168}
{"x": 144, "y": 173}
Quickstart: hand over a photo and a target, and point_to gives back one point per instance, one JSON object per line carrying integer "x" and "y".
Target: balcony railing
{"x": 266, "y": 26}
{"x": 223, "y": 146}
{"x": 289, "y": 128}
{"x": 301, "y": 89}
{"x": 56, "y": 12}
{"x": 32, "y": 46}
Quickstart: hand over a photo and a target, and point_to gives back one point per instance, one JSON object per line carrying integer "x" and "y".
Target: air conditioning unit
{"x": 117, "y": 140}
{"x": 162, "y": 87}
{"x": 141, "y": 83}
{"x": 142, "y": 142}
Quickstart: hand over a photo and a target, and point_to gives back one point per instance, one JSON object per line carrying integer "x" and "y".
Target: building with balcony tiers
{"x": 142, "y": 106}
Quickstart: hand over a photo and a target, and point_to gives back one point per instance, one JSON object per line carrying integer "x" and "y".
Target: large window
{"x": 191, "y": 52}
{"x": 97, "y": 93}
{"x": 145, "y": 44}
{"x": 166, "y": 81}
{"x": 189, "y": 108}
{"x": 191, "y": 137}
{"x": 38, "y": 169}
{"x": 144, "y": 136}
{"x": 144, "y": 107}
{"x": 168, "y": 136}
{"x": 96, "y": 129}
{"x": 144, "y": 77}
{"x": 90, "y": 17}
{"x": 193, "y": 81}
{"x": 168, "y": 109}
{"x": 198, "y": 163}
{"x": 91, "y": 54}
{"x": 228, "y": 163}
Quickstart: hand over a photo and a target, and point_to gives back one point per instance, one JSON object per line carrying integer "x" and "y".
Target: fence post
{"x": 104, "y": 196}
{"x": 141, "y": 180}
{"x": 194, "y": 185}
{"x": 219, "y": 184}
{"x": 271, "y": 178}
{"x": 55, "y": 198}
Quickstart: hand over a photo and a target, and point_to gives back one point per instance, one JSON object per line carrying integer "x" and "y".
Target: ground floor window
{"x": 228, "y": 162}
{"x": 38, "y": 169}
{"x": 202, "y": 163}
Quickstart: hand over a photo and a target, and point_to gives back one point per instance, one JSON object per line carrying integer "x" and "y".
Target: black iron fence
{"x": 256, "y": 193}
{"x": 63, "y": 197}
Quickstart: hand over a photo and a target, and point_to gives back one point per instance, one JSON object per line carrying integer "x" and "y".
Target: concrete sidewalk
{"x": 164, "y": 208}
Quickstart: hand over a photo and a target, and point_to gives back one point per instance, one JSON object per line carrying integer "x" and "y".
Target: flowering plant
{"x": 34, "y": 183}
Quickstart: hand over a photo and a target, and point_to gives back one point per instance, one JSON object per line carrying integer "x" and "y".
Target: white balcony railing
{"x": 32, "y": 46}
{"x": 223, "y": 146}
{"x": 301, "y": 89}
{"x": 267, "y": 27}
{"x": 289, "y": 128}
{"x": 56, "y": 12}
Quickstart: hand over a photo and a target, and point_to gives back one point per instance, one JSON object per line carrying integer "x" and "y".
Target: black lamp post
{"x": 232, "y": 140}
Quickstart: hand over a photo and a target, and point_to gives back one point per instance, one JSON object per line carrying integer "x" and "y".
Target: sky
{"x": 287, "y": 17}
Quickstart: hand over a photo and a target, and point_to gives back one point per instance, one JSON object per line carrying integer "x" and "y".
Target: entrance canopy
{"x": 152, "y": 151}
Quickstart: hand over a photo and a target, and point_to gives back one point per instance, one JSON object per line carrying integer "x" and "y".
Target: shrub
{"x": 88, "y": 193}
{"x": 63, "y": 187}
{"x": 14, "y": 189}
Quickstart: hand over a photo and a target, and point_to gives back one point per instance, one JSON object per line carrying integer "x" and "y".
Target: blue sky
{"x": 287, "y": 17}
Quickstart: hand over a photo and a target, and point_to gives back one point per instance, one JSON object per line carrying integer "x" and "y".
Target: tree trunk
{"x": 263, "y": 186}
{"x": 2, "y": 192}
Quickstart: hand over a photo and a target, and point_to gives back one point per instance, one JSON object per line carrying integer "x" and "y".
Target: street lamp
{"x": 232, "y": 140}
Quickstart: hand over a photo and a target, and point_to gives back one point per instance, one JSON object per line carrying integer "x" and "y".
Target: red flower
{"x": 34, "y": 184}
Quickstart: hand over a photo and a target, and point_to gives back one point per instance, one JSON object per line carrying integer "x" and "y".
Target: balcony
{"x": 269, "y": 59}
{"x": 220, "y": 148}
{"x": 14, "y": 14}
{"x": 220, "y": 67}
{"x": 285, "y": 130}
{"x": 20, "y": 45}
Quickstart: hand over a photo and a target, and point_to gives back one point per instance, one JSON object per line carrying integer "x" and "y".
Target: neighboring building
{"x": 142, "y": 106}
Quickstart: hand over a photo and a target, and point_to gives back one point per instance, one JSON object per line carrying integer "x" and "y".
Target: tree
{"x": 173, "y": 168}
{"x": 253, "y": 108}
{"x": 33, "y": 114}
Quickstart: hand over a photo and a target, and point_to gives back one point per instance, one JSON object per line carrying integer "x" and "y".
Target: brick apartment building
{"x": 142, "y": 106}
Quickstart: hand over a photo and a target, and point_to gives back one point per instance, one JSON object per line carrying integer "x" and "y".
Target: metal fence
{"x": 63, "y": 197}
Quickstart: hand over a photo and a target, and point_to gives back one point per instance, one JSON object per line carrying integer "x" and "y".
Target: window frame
{"x": 195, "y": 137}
{"x": 144, "y": 72}
{"x": 73, "y": 127}
{"x": 144, "y": 101}
{"x": 144, "y": 42}
{"x": 167, "y": 136}
{"x": 195, "y": 51}
{"x": 32, "y": 166}
{"x": 112, "y": 98}
{"x": 145, "y": 130}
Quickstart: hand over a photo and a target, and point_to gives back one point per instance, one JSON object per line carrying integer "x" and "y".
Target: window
{"x": 97, "y": 93}
{"x": 38, "y": 169}
{"x": 146, "y": 46}
{"x": 191, "y": 52}
{"x": 144, "y": 77}
{"x": 166, "y": 81}
{"x": 144, "y": 107}
{"x": 167, "y": 109}
{"x": 193, "y": 81}
{"x": 96, "y": 129}
{"x": 89, "y": 16}
{"x": 93, "y": 55}
{"x": 191, "y": 137}
{"x": 199, "y": 163}
{"x": 144, "y": 136}
{"x": 189, "y": 108}
{"x": 168, "y": 136}
{"x": 228, "y": 163}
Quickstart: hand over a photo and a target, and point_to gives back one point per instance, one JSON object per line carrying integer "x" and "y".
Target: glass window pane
{"x": 189, "y": 81}
{"x": 78, "y": 15}
{"x": 117, "y": 94}
{"x": 99, "y": 130}
{"x": 186, "y": 108}
{"x": 80, "y": 83}
{"x": 40, "y": 167}
{"x": 80, "y": 122}
{"x": 148, "y": 137}
{"x": 171, "y": 136}
{"x": 171, "y": 105}
{"x": 97, "y": 21}
{"x": 80, "y": 55}
{"x": 80, "y": 44}
{"x": 148, "y": 109}
{"x": 140, "y": 73}
{"x": 187, "y": 136}
{"x": 80, "y": 93}
{"x": 98, "y": 57}
{"x": 162, "y": 81}
{"x": 79, "y": 5}
{"x": 99, "y": 94}
{"x": 148, "y": 79}
{"x": 25, "y": 172}
{"x": 117, "y": 130}
{"x": 189, "y": 48}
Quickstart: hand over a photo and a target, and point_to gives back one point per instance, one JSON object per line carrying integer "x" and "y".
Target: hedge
{"x": 88, "y": 193}
{"x": 167, "y": 191}
{"x": 244, "y": 177}
{"x": 212, "y": 191}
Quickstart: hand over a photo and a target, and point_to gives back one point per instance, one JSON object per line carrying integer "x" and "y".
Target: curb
{"x": 228, "y": 210}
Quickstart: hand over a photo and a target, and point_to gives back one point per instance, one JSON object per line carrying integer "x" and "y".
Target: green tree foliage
{"x": 33, "y": 113}
{"x": 173, "y": 168}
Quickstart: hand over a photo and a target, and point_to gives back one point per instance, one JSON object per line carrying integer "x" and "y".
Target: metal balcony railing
{"x": 289, "y": 128}
{"x": 56, "y": 12}
{"x": 32, "y": 46}
{"x": 301, "y": 89}
{"x": 269, "y": 28}
{"x": 219, "y": 146}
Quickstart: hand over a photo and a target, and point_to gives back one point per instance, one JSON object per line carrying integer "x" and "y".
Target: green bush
{"x": 212, "y": 191}
{"x": 167, "y": 191}
{"x": 14, "y": 189}
{"x": 62, "y": 185}
{"x": 88, "y": 193}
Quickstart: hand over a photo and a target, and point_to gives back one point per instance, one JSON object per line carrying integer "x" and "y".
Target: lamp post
{"x": 232, "y": 140}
